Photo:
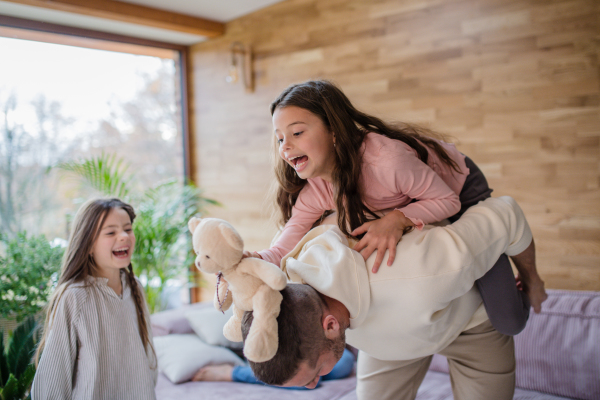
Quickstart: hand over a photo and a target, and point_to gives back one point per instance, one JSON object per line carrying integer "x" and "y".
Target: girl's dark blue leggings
{"x": 506, "y": 306}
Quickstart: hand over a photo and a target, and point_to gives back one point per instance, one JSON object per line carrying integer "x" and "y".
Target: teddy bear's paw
{"x": 281, "y": 282}
{"x": 233, "y": 330}
{"x": 262, "y": 340}
{"x": 260, "y": 348}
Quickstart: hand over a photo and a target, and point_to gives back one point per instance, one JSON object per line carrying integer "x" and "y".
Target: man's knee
{"x": 482, "y": 364}
{"x": 389, "y": 380}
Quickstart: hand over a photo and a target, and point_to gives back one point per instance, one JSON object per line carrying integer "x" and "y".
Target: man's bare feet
{"x": 214, "y": 373}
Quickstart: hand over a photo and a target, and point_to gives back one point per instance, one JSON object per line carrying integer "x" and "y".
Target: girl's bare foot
{"x": 529, "y": 279}
{"x": 214, "y": 373}
{"x": 536, "y": 292}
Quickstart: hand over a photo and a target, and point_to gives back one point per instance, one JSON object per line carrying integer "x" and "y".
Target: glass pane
{"x": 60, "y": 103}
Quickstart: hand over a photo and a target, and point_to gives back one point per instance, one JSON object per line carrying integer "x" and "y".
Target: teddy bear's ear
{"x": 193, "y": 223}
{"x": 231, "y": 237}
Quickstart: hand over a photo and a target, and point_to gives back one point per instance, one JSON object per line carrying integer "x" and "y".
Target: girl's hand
{"x": 382, "y": 234}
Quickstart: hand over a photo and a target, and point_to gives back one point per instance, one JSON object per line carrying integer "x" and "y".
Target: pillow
{"x": 181, "y": 356}
{"x": 558, "y": 352}
{"x": 174, "y": 321}
{"x": 208, "y": 324}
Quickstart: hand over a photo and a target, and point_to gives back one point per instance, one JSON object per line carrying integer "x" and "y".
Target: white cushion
{"x": 208, "y": 324}
{"x": 180, "y": 356}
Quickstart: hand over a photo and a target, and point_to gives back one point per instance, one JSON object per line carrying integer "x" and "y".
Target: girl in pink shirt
{"x": 383, "y": 181}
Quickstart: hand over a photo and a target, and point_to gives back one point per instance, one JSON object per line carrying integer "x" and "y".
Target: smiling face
{"x": 305, "y": 143}
{"x": 115, "y": 243}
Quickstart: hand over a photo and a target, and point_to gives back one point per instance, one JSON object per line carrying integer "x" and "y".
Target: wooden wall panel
{"x": 515, "y": 84}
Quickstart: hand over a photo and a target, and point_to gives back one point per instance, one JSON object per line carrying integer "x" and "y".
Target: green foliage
{"x": 27, "y": 275}
{"x": 105, "y": 173}
{"x": 163, "y": 243}
{"x": 16, "y": 369}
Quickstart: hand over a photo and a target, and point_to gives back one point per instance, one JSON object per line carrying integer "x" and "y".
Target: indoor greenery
{"x": 163, "y": 243}
{"x": 28, "y": 271}
{"x": 16, "y": 367}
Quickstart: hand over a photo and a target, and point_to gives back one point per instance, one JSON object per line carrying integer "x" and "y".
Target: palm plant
{"x": 162, "y": 239}
{"x": 163, "y": 245}
{"x": 105, "y": 173}
{"x": 16, "y": 369}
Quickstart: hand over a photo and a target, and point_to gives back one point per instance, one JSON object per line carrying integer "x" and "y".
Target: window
{"x": 68, "y": 95}
{"x": 61, "y": 102}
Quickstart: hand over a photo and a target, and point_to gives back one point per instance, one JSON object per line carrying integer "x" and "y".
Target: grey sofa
{"x": 558, "y": 357}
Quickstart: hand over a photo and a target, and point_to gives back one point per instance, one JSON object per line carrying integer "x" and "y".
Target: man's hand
{"x": 381, "y": 235}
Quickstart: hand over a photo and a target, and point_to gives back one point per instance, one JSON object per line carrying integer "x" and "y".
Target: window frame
{"x": 183, "y": 67}
{"x": 184, "y": 82}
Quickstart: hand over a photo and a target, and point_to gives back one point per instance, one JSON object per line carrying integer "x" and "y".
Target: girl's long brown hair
{"x": 350, "y": 126}
{"x": 78, "y": 264}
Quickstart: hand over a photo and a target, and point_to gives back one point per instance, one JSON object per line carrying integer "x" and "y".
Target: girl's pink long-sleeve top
{"x": 392, "y": 176}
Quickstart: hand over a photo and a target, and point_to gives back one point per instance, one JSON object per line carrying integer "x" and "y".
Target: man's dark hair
{"x": 301, "y": 335}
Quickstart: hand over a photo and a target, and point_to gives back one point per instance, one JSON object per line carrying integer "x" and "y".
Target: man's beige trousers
{"x": 481, "y": 362}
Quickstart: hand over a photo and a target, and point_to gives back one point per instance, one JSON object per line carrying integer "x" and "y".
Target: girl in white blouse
{"x": 97, "y": 341}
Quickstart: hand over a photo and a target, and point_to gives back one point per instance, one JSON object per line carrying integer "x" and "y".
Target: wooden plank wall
{"x": 516, "y": 84}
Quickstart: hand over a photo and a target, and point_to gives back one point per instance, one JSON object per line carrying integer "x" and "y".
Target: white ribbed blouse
{"x": 93, "y": 349}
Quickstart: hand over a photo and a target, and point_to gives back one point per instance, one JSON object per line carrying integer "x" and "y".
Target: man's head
{"x": 311, "y": 339}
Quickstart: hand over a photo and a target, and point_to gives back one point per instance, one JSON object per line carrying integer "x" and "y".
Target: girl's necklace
{"x": 219, "y": 276}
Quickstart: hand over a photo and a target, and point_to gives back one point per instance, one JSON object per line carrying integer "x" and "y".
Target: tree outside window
{"x": 63, "y": 105}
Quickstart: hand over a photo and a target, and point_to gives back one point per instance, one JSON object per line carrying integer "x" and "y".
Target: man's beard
{"x": 337, "y": 345}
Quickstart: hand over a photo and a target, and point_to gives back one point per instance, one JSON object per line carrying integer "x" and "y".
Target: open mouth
{"x": 121, "y": 253}
{"x": 299, "y": 161}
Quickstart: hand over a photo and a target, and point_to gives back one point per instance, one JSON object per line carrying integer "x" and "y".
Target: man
{"x": 425, "y": 303}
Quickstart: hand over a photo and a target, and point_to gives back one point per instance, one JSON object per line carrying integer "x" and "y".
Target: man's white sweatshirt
{"x": 426, "y": 298}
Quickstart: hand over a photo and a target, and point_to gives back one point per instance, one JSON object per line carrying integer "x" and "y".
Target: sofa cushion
{"x": 174, "y": 321}
{"x": 181, "y": 356}
{"x": 208, "y": 324}
{"x": 559, "y": 350}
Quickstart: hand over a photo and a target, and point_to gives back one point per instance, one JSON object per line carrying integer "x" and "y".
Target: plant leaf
{"x": 10, "y": 390}
{"x": 105, "y": 173}
{"x": 25, "y": 381}
{"x": 4, "y": 371}
{"x": 21, "y": 347}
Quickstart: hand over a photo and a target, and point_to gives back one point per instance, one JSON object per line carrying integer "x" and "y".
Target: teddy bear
{"x": 251, "y": 284}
